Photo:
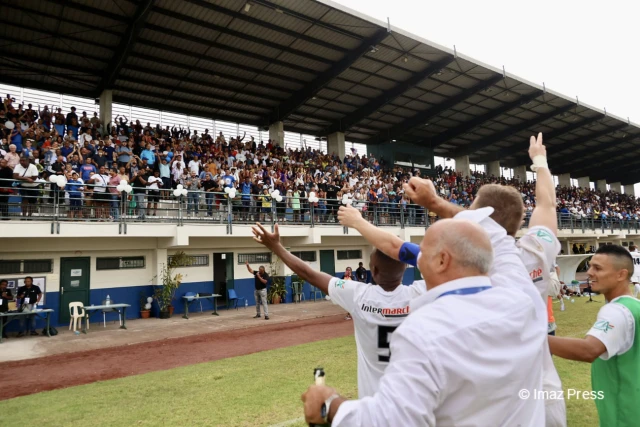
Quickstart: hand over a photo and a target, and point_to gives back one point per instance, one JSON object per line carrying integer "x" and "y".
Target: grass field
{"x": 261, "y": 389}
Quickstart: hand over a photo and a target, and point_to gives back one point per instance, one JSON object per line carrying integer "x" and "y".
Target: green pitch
{"x": 261, "y": 389}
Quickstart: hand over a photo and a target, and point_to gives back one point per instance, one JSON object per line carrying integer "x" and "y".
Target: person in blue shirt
{"x": 16, "y": 136}
{"x": 229, "y": 180}
{"x": 74, "y": 188}
{"x": 66, "y": 149}
{"x": 148, "y": 155}
{"x": 87, "y": 169}
{"x": 246, "y": 197}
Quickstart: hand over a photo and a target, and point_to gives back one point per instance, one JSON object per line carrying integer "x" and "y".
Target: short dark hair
{"x": 621, "y": 254}
{"x": 4, "y": 281}
{"x": 632, "y": 248}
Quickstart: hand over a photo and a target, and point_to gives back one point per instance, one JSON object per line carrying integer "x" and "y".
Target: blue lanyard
{"x": 466, "y": 291}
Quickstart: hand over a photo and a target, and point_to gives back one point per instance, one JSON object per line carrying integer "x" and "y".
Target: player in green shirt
{"x": 613, "y": 343}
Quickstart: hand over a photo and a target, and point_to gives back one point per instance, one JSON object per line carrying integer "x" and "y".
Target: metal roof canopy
{"x": 314, "y": 64}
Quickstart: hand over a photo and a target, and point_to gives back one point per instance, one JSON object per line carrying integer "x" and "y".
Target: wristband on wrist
{"x": 539, "y": 161}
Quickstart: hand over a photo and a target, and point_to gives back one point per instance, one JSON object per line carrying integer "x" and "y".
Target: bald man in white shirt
{"x": 435, "y": 377}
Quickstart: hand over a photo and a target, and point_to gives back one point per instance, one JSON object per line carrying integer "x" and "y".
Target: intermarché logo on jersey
{"x": 386, "y": 312}
{"x": 603, "y": 325}
{"x": 536, "y": 275}
{"x": 340, "y": 284}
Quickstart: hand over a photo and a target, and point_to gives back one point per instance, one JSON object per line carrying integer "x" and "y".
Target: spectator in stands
{"x": 6, "y": 176}
{"x": 27, "y": 174}
{"x": 12, "y": 157}
{"x": 154, "y": 184}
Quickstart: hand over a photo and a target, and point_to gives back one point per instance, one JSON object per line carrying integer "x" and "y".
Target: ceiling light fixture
{"x": 278, "y": 10}
{"x": 373, "y": 49}
{"x": 405, "y": 59}
{"x": 247, "y": 7}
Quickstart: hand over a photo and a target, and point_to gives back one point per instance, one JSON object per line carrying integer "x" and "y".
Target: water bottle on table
{"x": 108, "y": 300}
{"x": 246, "y": 303}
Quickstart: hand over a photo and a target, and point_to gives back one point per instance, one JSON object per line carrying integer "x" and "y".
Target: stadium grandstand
{"x": 129, "y": 126}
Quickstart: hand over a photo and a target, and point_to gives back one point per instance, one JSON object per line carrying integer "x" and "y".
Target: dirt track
{"x": 66, "y": 370}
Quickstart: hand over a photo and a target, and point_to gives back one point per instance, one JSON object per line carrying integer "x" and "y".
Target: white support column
{"x": 335, "y": 144}
{"x": 601, "y": 185}
{"x": 276, "y": 133}
{"x": 564, "y": 180}
{"x": 160, "y": 262}
{"x": 616, "y": 186}
{"x": 462, "y": 165}
{"x": 520, "y": 172}
{"x": 106, "y": 105}
{"x": 493, "y": 168}
{"x": 630, "y": 189}
{"x": 583, "y": 182}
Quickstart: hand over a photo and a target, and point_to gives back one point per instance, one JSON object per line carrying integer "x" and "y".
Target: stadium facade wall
{"x": 126, "y": 285}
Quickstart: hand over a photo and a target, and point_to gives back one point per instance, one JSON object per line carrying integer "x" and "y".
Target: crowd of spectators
{"x": 95, "y": 158}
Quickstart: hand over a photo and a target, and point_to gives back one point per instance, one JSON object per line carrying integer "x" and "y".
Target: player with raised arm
{"x": 377, "y": 310}
{"x": 537, "y": 249}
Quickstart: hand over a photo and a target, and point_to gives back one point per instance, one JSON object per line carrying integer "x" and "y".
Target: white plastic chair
{"x": 77, "y": 313}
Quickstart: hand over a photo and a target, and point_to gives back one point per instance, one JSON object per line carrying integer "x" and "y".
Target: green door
{"x": 229, "y": 266}
{"x": 327, "y": 262}
{"x": 74, "y": 284}
{"x": 416, "y": 274}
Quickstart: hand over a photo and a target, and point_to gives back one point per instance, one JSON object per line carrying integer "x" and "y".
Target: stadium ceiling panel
{"x": 316, "y": 65}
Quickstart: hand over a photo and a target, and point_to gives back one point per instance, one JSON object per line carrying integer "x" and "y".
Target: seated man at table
{"x": 5, "y": 297}
{"x": 29, "y": 296}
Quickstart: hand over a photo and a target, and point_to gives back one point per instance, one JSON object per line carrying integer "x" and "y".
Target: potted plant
{"x": 145, "y": 306}
{"x": 277, "y": 291}
{"x": 166, "y": 292}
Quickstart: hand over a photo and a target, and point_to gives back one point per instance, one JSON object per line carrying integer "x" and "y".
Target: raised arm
{"x": 423, "y": 192}
{"x": 248, "y": 267}
{"x": 384, "y": 241}
{"x": 544, "y": 213}
{"x": 272, "y": 242}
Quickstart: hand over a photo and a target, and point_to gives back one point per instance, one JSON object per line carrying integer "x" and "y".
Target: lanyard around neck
{"x": 466, "y": 291}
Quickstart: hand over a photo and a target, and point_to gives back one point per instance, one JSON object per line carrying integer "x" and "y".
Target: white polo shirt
{"x": 459, "y": 360}
{"x": 376, "y": 314}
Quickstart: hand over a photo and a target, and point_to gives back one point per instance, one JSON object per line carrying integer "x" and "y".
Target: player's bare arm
{"x": 423, "y": 192}
{"x": 272, "y": 242}
{"x": 384, "y": 241}
{"x": 585, "y": 349}
{"x": 544, "y": 213}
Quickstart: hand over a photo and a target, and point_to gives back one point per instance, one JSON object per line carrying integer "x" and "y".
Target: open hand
{"x": 264, "y": 237}
{"x": 349, "y": 216}
{"x": 422, "y": 192}
{"x": 536, "y": 147}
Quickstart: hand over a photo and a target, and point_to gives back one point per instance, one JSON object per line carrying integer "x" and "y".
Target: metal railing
{"x": 90, "y": 203}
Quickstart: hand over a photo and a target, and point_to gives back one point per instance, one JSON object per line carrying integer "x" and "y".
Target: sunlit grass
{"x": 260, "y": 389}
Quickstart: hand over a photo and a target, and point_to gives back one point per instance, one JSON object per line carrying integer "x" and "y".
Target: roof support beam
{"x": 503, "y": 153}
{"x": 186, "y": 101}
{"x": 310, "y": 89}
{"x": 51, "y": 34}
{"x": 56, "y": 88}
{"x": 264, "y": 24}
{"x": 125, "y": 47}
{"x": 239, "y": 34}
{"x": 490, "y": 115}
{"x": 186, "y": 67}
{"x": 218, "y": 61}
{"x": 188, "y": 111}
{"x": 90, "y": 9}
{"x": 578, "y": 143}
{"x": 564, "y": 165}
{"x": 386, "y": 97}
{"x": 52, "y": 63}
{"x": 613, "y": 167}
{"x": 420, "y": 118}
{"x": 485, "y": 142}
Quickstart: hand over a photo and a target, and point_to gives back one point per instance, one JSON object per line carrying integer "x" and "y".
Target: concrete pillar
{"x": 335, "y": 144}
{"x": 106, "y": 104}
{"x": 630, "y": 189}
{"x": 564, "y": 180}
{"x": 160, "y": 262}
{"x": 583, "y": 182}
{"x": 276, "y": 133}
{"x": 493, "y": 168}
{"x": 462, "y": 165}
{"x": 520, "y": 172}
{"x": 616, "y": 186}
{"x": 601, "y": 185}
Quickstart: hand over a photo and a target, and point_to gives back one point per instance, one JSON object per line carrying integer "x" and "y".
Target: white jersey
{"x": 376, "y": 314}
{"x": 636, "y": 266}
{"x": 538, "y": 251}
